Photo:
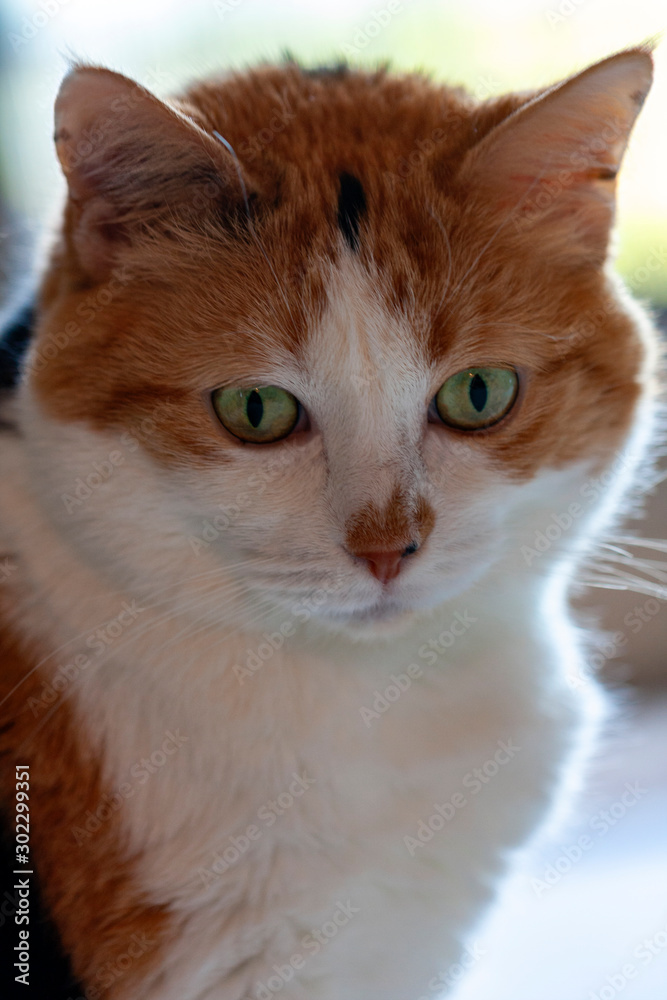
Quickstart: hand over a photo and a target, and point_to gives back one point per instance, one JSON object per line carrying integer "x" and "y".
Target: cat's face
{"x": 422, "y": 359}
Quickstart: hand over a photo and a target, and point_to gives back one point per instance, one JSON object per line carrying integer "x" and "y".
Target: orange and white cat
{"x": 318, "y": 356}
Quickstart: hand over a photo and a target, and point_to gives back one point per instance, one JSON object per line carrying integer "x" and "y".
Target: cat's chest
{"x": 314, "y": 748}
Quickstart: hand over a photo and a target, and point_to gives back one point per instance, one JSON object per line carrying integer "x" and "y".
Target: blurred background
{"x": 586, "y": 918}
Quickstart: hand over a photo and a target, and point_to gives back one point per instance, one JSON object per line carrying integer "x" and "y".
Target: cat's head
{"x": 339, "y": 334}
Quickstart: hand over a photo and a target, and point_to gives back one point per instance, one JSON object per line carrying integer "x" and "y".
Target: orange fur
{"x": 165, "y": 283}
{"x": 189, "y": 282}
{"x": 400, "y": 525}
{"x": 89, "y": 887}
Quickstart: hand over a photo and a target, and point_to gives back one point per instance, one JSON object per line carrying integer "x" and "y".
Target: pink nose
{"x": 385, "y": 566}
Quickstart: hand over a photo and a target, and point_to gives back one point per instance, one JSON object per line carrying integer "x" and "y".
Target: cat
{"x": 329, "y": 392}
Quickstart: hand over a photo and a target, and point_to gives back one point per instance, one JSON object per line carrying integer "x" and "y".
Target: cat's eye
{"x": 260, "y": 414}
{"x": 477, "y": 397}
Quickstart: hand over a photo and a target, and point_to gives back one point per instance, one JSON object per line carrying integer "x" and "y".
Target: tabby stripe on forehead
{"x": 351, "y": 206}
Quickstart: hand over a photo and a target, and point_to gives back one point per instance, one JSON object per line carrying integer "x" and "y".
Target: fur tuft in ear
{"x": 551, "y": 166}
{"x": 131, "y": 161}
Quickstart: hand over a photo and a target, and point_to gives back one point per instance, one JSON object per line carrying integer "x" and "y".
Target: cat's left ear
{"x": 549, "y": 169}
{"x": 133, "y": 163}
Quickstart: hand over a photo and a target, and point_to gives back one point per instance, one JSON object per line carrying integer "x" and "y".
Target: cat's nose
{"x": 386, "y": 566}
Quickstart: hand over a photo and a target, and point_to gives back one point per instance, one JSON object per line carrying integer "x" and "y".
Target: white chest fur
{"x": 324, "y": 817}
{"x": 340, "y": 813}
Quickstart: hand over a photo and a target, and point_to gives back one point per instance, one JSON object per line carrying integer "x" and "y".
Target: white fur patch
{"x": 325, "y": 808}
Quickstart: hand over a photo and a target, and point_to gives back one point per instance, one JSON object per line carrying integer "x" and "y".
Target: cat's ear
{"x": 549, "y": 169}
{"x": 129, "y": 160}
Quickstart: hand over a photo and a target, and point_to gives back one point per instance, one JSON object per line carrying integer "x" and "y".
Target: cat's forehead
{"x": 353, "y": 178}
{"x": 329, "y": 122}
{"x": 374, "y": 253}
{"x": 361, "y": 355}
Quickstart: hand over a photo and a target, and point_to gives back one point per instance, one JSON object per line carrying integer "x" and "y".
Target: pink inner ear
{"x": 83, "y": 113}
{"x": 551, "y": 165}
{"x": 124, "y": 154}
{"x": 580, "y": 126}
{"x": 96, "y": 237}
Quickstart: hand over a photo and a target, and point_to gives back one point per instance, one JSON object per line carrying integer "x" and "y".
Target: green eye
{"x": 260, "y": 414}
{"x": 477, "y": 397}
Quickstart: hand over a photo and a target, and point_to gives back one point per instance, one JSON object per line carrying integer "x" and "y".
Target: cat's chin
{"x": 390, "y": 615}
{"x": 381, "y": 620}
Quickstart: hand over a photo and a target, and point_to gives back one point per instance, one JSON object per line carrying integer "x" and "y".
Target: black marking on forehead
{"x": 333, "y": 71}
{"x": 351, "y": 207}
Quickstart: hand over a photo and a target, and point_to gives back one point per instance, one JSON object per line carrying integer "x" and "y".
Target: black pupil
{"x": 478, "y": 393}
{"x": 255, "y": 408}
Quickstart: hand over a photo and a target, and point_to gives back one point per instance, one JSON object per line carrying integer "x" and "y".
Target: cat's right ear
{"x": 130, "y": 161}
{"x": 548, "y": 171}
